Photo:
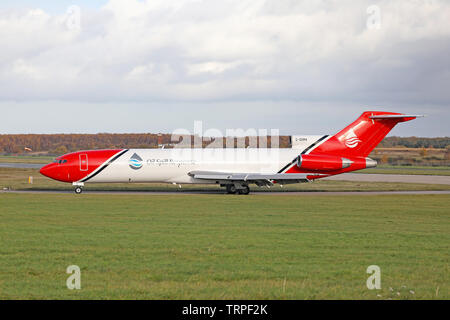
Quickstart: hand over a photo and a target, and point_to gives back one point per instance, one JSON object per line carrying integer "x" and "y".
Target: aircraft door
{"x": 83, "y": 162}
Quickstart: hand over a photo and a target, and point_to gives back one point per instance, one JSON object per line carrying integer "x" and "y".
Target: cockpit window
{"x": 59, "y": 161}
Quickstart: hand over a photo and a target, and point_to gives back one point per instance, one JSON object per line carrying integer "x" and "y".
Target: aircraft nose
{"x": 48, "y": 171}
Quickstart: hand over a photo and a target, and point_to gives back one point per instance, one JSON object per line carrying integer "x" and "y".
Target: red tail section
{"x": 362, "y": 136}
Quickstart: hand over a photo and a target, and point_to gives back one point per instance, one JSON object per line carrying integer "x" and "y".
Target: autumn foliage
{"x": 63, "y": 143}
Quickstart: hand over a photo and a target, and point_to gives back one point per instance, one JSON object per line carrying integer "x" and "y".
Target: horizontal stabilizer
{"x": 399, "y": 117}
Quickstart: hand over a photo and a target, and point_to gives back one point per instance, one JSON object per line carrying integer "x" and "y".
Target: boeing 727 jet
{"x": 309, "y": 158}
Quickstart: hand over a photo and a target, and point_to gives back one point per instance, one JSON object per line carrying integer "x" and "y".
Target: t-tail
{"x": 363, "y": 135}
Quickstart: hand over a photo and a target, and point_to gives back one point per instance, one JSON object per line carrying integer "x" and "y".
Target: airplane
{"x": 308, "y": 159}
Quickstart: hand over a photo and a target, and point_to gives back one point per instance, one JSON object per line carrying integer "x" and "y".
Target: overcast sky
{"x": 304, "y": 67}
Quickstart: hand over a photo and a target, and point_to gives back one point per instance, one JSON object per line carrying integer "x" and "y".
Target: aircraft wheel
{"x": 245, "y": 191}
{"x": 78, "y": 190}
{"x": 231, "y": 189}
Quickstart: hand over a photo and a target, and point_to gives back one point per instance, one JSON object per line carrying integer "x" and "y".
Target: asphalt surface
{"x": 366, "y": 177}
{"x": 21, "y": 165}
{"x": 342, "y": 177}
{"x": 376, "y": 177}
{"x": 219, "y": 192}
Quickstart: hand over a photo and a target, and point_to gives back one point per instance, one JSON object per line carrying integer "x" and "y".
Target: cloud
{"x": 213, "y": 60}
{"x": 203, "y": 50}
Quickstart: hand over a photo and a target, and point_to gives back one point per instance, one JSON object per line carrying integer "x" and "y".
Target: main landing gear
{"x": 232, "y": 189}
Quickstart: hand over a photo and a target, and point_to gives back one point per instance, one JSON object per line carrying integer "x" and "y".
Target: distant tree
{"x": 53, "y": 143}
{"x": 424, "y": 152}
{"x": 61, "y": 150}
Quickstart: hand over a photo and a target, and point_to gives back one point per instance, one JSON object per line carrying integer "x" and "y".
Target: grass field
{"x": 224, "y": 247}
{"x": 416, "y": 170}
{"x": 17, "y": 179}
{"x": 382, "y": 168}
{"x": 26, "y": 159}
{"x": 400, "y": 156}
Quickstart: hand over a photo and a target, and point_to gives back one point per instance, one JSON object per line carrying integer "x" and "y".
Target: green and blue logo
{"x": 135, "y": 162}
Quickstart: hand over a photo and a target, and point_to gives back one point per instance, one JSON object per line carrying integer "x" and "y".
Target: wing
{"x": 257, "y": 178}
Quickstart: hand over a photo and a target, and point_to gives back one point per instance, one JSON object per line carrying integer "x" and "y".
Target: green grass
{"x": 416, "y": 170}
{"x": 17, "y": 179}
{"x": 224, "y": 247}
{"x": 26, "y": 159}
{"x": 382, "y": 168}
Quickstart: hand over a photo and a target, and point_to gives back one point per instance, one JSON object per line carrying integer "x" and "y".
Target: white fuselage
{"x": 174, "y": 165}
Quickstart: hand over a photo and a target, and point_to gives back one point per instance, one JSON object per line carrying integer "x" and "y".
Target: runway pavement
{"x": 425, "y": 179}
{"x": 220, "y": 192}
{"x": 21, "y": 165}
{"x": 366, "y": 177}
{"x": 376, "y": 177}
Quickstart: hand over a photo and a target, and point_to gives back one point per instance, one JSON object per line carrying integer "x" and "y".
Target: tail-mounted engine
{"x": 320, "y": 163}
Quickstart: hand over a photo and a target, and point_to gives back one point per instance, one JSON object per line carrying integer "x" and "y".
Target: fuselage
{"x": 173, "y": 165}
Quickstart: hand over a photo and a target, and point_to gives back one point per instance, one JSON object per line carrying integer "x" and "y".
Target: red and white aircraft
{"x": 310, "y": 158}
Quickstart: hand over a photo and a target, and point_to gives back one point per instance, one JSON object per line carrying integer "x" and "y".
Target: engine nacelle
{"x": 322, "y": 162}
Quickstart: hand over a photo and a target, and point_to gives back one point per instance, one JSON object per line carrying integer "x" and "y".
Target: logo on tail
{"x": 351, "y": 139}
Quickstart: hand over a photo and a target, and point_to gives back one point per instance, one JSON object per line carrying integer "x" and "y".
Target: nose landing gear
{"x": 78, "y": 187}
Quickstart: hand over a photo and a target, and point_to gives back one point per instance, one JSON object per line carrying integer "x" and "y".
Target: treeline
{"x": 63, "y": 143}
{"x": 415, "y": 142}
{"x": 56, "y": 144}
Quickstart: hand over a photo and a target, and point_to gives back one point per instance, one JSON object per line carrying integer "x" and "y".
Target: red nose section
{"x": 79, "y": 166}
{"x": 50, "y": 171}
